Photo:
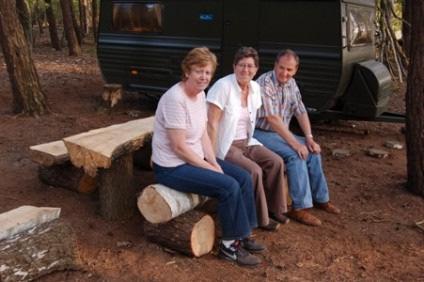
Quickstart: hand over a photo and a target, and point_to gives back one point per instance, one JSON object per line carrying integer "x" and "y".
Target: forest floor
{"x": 374, "y": 239}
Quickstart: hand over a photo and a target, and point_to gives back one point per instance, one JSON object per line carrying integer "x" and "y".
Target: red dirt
{"x": 374, "y": 239}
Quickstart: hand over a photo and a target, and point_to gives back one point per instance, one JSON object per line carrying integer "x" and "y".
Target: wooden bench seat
{"x": 49, "y": 154}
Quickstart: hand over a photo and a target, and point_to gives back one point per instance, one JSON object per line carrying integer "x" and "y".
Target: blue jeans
{"x": 307, "y": 183}
{"x": 233, "y": 190}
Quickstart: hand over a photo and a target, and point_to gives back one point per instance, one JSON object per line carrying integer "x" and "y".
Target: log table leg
{"x": 117, "y": 192}
{"x": 67, "y": 176}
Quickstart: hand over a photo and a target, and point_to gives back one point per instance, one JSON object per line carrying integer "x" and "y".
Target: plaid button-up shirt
{"x": 278, "y": 99}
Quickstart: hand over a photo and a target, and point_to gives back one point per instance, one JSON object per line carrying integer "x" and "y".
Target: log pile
{"x": 172, "y": 222}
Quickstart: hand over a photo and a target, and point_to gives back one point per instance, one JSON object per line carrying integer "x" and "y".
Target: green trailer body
{"x": 141, "y": 45}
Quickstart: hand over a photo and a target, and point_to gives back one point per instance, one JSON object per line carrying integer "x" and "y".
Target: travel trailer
{"x": 141, "y": 45}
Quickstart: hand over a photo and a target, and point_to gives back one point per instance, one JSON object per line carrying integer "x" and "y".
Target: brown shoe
{"x": 328, "y": 207}
{"x": 304, "y": 217}
{"x": 281, "y": 218}
{"x": 271, "y": 226}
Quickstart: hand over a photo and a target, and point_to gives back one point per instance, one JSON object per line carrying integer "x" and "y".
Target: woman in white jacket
{"x": 232, "y": 104}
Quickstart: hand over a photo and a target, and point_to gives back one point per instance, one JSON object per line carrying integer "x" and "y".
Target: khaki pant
{"x": 267, "y": 170}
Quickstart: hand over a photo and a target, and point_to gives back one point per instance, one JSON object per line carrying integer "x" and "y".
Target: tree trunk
{"x": 39, "y": 15}
{"x": 192, "y": 233}
{"x": 28, "y": 96}
{"x": 415, "y": 102}
{"x": 94, "y": 18}
{"x": 54, "y": 38}
{"x": 71, "y": 37}
{"x": 83, "y": 6}
{"x": 75, "y": 24}
{"x": 406, "y": 28}
{"x": 25, "y": 19}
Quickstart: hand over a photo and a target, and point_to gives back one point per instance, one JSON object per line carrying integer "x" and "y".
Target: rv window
{"x": 137, "y": 17}
{"x": 361, "y": 23}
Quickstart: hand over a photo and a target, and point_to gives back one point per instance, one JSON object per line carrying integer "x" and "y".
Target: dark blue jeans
{"x": 233, "y": 190}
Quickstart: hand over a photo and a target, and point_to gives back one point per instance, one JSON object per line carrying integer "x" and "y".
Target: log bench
{"x": 102, "y": 157}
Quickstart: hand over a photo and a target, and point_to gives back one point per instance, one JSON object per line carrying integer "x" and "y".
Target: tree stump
{"x": 38, "y": 251}
{"x": 158, "y": 203}
{"x": 112, "y": 93}
{"x": 192, "y": 233}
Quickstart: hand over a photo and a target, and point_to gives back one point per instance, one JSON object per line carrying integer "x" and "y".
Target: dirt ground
{"x": 374, "y": 239}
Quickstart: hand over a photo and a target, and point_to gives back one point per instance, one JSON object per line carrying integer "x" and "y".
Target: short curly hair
{"x": 246, "y": 52}
{"x": 200, "y": 56}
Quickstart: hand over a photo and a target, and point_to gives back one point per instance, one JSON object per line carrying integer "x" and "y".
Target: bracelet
{"x": 309, "y": 136}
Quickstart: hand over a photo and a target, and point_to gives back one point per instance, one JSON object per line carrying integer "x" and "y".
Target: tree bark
{"x": 25, "y": 19}
{"x": 71, "y": 37}
{"x": 415, "y": 102}
{"x": 54, "y": 38}
{"x": 28, "y": 96}
{"x": 192, "y": 233}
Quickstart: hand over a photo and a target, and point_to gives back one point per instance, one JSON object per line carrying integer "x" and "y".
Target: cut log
{"x": 98, "y": 148}
{"x": 158, "y": 203}
{"x": 24, "y": 218}
{"x": 67, "y": 176}
{"x": 117, "y": 193}
{"x": 192, "y": 233}
{"x": 112, "y": 93}
{"x": 38, "y": 251}
{"x": 49, "y": 154}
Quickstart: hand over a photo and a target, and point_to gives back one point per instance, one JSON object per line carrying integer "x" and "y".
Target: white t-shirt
{"x": 226, "y": 95}
{"x": 177, "y": 111}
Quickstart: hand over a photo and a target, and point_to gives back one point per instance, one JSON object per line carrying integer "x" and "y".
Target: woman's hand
{"x": 216, "y": 167}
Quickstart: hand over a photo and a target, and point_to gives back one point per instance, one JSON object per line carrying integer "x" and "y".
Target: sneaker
{"x": 281, "y": 218}
{"x": 328, "y": 207}
{"x": 271, "y": 226}
{"x": 304, "y": 217}
{"x": 237, "y": 254}
{"x": 252, "y": 246}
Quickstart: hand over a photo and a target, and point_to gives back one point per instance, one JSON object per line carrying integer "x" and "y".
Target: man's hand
{"x": 301, "y": 150}
{"x": 313, "y": 146}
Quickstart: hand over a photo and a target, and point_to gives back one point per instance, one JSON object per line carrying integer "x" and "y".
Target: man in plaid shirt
{"x": 281, "y": 100}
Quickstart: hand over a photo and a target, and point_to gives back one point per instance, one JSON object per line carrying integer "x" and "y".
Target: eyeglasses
{"x": 248, "y": 66}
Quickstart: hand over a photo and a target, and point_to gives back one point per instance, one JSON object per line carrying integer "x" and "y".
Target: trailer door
{"x": 239, "y": 29}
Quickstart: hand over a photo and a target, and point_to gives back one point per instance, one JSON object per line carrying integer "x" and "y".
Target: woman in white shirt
{"x": 232, "y": 105}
